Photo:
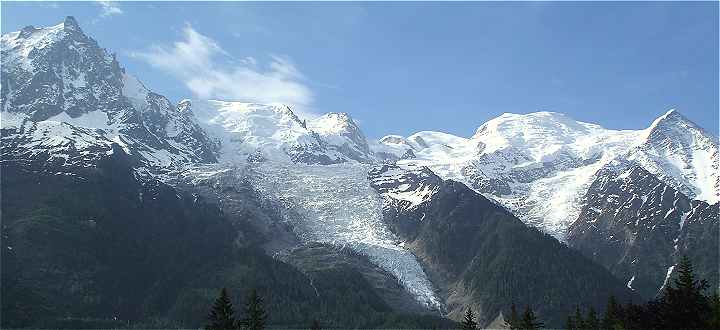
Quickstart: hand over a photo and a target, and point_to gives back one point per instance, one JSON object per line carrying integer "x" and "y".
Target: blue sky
{"x": 398, "y": 68}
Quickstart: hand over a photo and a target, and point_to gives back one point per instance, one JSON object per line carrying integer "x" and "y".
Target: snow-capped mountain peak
{"x": 56, "y": 76}
{"x": 253, "y": 131}
{"x": 540, "y": 136}
{"x": 540, "y": 164}
{"x": 682, "y": 154}
{"x": 343, "y": 135}
{"x": 674, "y": 128}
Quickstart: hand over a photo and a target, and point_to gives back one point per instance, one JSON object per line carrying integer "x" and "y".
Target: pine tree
{"x": 221, "y": 315}
{"x": 513, "y": 322}
{"x": 612, "y": 318}
{"x": 570, "y": 323}
{"x": 714, "y": 319}
{"x": 684, "y": 305}
{"x": 315, "y": 325}
{"x": 592, "y": 321}
{"x": 468, "y": 322}
{"x": 254, "y": 313}
{"x": 578, "y": 319}
{"x": 529, "y": 320}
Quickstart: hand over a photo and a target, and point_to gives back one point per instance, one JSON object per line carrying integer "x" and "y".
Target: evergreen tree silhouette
{"x": 683, "y": 305}
{"x": 529, "y": 320}
{"x": 612, "y": 319}
{"x": 570, "y": 323}
{"x": 592, "y": 322}
{"x": 221, "y": 315}
{"x": 468, "y": 322}
{"x": 714, "y": 319}
{"x": 578, "y": 319}
{"x": 254, "y": 313}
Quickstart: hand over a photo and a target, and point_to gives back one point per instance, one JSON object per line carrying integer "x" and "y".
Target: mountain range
{"x": 120, "y": 207}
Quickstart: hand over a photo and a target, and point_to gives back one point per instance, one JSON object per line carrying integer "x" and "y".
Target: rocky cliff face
{"x": 638, "y": 227}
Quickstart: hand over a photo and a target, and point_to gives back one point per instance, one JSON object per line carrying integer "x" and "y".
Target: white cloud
{"x": 109, "y": 8}
{"x": 211, "y": 73}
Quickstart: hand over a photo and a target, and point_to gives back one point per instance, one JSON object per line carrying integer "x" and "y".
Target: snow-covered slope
{"x": 539, "y": 165}
{"x": 258, "y": 132}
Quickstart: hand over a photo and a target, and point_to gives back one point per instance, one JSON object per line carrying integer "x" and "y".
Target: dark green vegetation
{"x": 222, "y": 314}
{"x": 682, "y": 305}
{"x": 485, "y": 258}
{"x": 106, "y": 248}
{"x": 528, "y": 321}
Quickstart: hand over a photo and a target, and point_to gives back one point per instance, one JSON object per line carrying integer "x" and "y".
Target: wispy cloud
{"x": 109, "y": 8}
{"x": 212, "y": 73}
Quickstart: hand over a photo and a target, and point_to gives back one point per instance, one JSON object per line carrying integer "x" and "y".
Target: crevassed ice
{"x": 337, "y": 206}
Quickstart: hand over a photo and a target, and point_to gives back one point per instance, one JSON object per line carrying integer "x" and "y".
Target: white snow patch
{"x": 93, "y": 119}
{"x": 667, "y": 276}
{"x": 630, "y": 282}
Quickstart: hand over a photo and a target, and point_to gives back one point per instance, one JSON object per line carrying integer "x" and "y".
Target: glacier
{"x": 337, "y": 206}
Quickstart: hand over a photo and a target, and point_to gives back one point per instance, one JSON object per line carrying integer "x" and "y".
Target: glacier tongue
{"x": 337, "y": 206}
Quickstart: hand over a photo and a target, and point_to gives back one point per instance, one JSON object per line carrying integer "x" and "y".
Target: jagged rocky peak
{"x": 57, "y": 77}
{"x": 51, "y": 70}
{"x": 71, "y": 25}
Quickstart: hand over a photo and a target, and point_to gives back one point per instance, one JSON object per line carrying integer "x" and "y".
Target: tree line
{"x": 528, "y": 320}
{"x": 682, "y": 305}
{"x": 222, "y": 314}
